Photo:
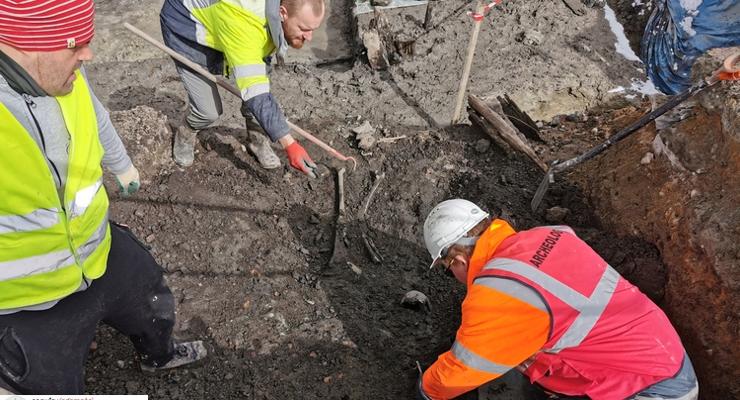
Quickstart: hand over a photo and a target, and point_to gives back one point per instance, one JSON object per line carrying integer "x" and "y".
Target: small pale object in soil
{"x": 376, "y": 54}
{"x": 364, "y": 129}
{"x": 556, "y": 214}
{"x": 482, "y": 145}
{"x": 415, "y": 299}
{"x": 322, "y": 170}
{"x": 531, "y": 37}
{"x": 365, "y": 136}
{"x": 355, "y": 268}
{"x": 647, "y": 158}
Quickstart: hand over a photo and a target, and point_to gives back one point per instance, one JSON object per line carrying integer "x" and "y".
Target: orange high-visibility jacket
{"x": 500, "y": 328}
{"x": 569, "y": 321}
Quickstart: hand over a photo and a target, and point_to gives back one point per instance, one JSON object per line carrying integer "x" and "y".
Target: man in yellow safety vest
{"x": 245, "y": 35}
{"x": 63, "y": 266}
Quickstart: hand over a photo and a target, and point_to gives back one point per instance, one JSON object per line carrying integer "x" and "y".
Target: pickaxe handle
{"x": 730, "y": 71}
{"x": 234, "y": 90}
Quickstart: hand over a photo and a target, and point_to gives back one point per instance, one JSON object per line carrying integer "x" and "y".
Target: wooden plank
{"x": 519, "y": 118}
{"x": 508, "y": 133}
{"x": 490, "y": 131}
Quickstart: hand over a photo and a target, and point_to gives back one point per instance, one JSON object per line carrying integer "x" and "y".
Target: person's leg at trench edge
{"x": 144, "y": 308}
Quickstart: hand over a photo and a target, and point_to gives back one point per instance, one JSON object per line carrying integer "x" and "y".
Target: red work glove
{"x": 300, "y": 160}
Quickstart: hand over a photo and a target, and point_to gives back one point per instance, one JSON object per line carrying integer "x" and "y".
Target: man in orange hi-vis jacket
{"x": 543, "y": 302}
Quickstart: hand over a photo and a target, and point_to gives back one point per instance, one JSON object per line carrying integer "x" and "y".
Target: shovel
{"x": 235, "y": 91}
{"x": 728, "y": 71}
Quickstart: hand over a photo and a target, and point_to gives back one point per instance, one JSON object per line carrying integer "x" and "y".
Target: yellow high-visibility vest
{"x": 237, "y": 28}
{"x": 47, "y": 246}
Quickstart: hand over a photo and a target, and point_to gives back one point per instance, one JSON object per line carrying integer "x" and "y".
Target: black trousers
{"x": 44, "y": 352}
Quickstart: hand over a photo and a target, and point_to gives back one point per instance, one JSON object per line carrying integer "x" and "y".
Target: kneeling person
{"x": 543, "y": 302}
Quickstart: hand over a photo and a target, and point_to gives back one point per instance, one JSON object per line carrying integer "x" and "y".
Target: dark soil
{"x": 246, "y": 251}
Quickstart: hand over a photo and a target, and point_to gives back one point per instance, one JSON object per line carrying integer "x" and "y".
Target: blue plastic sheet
{"x": 679, "y": 31}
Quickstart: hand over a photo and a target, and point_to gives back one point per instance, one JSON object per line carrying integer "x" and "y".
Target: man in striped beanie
{"x": 64, "y": 267}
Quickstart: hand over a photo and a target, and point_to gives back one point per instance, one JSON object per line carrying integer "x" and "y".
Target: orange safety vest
{"x": 606, "y": 340}
{"x": 503, "y": 330}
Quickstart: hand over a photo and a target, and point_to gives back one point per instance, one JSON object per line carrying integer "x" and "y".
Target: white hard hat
{"x": 448, "y": 222}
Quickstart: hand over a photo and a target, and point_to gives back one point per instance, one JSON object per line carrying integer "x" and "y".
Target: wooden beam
{"x": 504, "y": 130}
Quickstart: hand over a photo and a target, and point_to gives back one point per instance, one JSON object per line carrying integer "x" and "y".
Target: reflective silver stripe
{"x": 84, "y": 251}
{"x": 473, "y": 360}
{"x": 35, "y": 220}
{"x": 514, "y": 289}
{"x": 194, "y": 4}
{"x": 200, "y": 34}
{"x": 249, "y": 70}
{"x": 590, "y": 309}
{"x": 583, "y": 324}
{"x": 562, "y": 228}
{"x": 83, "y": 198}
{"x": 552, "y": 285}
{"x": 200, "y": 30}
{"x": 51, "y": 261}
{"x": 255, "y": 90}
{"x": 35, "y": 265}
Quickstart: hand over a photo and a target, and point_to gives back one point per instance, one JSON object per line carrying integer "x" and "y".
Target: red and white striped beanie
{"x": 46, "y": 25}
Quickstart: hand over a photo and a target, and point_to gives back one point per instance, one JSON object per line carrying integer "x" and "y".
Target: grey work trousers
{"x": 692, "y": 395}
{"x": 204, "y": 102}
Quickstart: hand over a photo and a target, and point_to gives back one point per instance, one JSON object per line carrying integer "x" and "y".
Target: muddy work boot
{"x": 259, "y": 145}
{"x": 185, "y": 353}
{"x": 184, "y": 146}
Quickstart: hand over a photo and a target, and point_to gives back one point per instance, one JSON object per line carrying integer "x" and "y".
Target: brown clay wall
{"x": 692, "y": 214}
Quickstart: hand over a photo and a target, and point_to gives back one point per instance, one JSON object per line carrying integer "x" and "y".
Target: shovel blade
{"x": 540, "y": 193}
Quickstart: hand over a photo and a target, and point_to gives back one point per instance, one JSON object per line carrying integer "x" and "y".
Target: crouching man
{"x": 543, "y": 302}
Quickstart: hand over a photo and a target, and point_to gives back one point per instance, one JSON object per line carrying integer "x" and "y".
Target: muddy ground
{"x": 247, "y": 261}
{"x": 246, "y": 251}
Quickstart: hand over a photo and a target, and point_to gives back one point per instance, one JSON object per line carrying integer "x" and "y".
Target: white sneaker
{"x": 184, "y": 147}
{"x": 259, "y": 145}
{"x": 185, "y": 353}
